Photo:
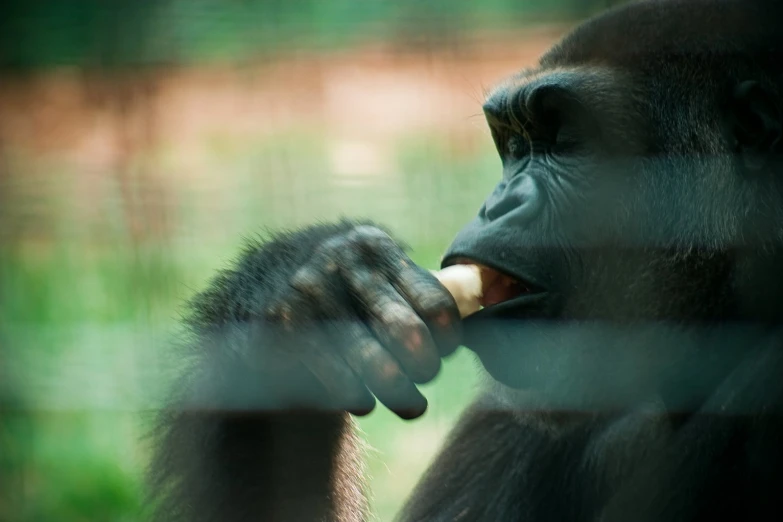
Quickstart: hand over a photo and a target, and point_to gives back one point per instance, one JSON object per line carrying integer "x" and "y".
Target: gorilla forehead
{"x": 648, "y": 34}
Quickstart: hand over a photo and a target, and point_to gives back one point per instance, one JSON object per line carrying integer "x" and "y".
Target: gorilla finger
{"x": 344, "y": 388}
{"x": 396, "y": 324}
{"x": 408, "y": 339}
{"x": 433, "y": 303}
{"x": 309, "y": 289}
{"x": 319, "y": 282}
{"x": 381, "y": 373}
{"x": 313, "y": 347}
{"x": 375, "y": 243}
{"x": 318, "y": 288}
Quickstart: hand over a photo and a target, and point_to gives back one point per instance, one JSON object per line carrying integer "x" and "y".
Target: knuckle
{"x": 287, "y": 313}
{"x": 369, "y": 232}
{"x": 391, "y": 375}
{"x": 284, "y": 316}
{"x": 308, "y": 281}
{"x": 367, "y": 353}
{"x": 276, "y": 309}
{"x": 380, "y": 366}
{"x": 415, "y": 336}
{"x": 333, "y": 245}
{"x": 370, "y": 238}
{"x": 338, "y": 255}
{"x": 370, "y": 282}
{"x": 395, "y": 315}
{"x": 419, "y": 345}
{"x": 434, "y": 302}
{"x": 411, "y": 331}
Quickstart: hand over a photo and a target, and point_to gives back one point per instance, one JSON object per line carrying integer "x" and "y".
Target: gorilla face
{"x": 634, "y": 201}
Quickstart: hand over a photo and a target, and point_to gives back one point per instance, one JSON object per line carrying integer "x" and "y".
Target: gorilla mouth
{"x": 498, "y": 287}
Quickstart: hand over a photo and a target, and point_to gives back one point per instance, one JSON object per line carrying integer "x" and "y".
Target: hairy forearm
{"x": 232, "y": 444}
{"x": 254, "y": 465}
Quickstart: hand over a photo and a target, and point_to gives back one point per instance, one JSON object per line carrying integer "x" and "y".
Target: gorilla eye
{"x": 518, "y": 147}
{"x": 510, "y": 144}
{"x": 557, "y": 133}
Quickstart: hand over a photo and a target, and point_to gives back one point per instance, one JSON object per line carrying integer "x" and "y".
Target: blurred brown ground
{"x": 149, "y": 130}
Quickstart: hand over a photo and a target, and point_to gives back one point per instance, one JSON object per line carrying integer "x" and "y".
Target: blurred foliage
{"x": 88, "y": 312}
{"x": 122, "y": 32}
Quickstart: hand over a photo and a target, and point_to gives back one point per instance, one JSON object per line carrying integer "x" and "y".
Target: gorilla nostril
{"x": 500, "y": 207}
{"x": 520, "y": 195}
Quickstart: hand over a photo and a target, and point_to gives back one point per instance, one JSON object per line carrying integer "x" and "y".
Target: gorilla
{"x": 630, "y": 326}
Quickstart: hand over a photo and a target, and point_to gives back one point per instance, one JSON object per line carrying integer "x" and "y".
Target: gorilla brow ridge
{"x": 586, "y": 85}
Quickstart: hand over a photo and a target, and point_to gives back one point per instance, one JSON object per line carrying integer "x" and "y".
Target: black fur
{"x": 652, "y": 361}
{"x": 220, "y": 455}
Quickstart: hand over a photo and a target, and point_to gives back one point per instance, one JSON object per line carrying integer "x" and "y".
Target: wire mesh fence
{"x": 140, "y": 142}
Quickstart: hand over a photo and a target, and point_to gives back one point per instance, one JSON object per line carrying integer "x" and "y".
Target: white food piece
{"x": 464, "y": 283}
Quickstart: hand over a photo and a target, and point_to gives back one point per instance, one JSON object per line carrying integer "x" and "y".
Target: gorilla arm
{"x": 302, "y": 329}
{"x": 225, "y": 451}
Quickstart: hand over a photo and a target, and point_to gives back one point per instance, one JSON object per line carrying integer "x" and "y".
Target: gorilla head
{"x": 640, "y": 204}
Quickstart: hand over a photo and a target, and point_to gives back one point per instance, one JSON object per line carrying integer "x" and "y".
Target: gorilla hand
{"x": 365, "y": 320}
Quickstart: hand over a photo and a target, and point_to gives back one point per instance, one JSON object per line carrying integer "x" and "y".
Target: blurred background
{"x": 140, "y": 142}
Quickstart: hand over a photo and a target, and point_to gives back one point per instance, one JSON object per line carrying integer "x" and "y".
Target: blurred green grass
{"x": 88, "y": 317}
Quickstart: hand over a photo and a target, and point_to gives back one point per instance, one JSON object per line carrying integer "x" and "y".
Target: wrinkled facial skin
{"x": 621, "y": 210}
